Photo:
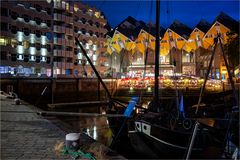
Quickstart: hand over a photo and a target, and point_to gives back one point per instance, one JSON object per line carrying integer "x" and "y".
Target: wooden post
{"x": 98, "y": 91}
{"x": 77, "y": 89}
{"x": 53, "y": 86}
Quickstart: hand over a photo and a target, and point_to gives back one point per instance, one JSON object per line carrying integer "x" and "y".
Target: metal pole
{"x": 156, "y": 94}
{"x": 229, "y": 74}
{"x": 192, "y": 140}
{"x": 206, "y": 76}
{"x": 94, "y": 69}
{"x": 51, "y": 113}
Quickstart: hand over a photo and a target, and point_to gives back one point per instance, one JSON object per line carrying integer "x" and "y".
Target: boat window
{"x": 145, "y": 127}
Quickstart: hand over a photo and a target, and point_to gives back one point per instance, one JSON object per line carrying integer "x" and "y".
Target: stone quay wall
{"x": 40, "y": 91}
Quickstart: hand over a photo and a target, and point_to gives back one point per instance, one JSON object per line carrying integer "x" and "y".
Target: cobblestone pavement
{"x": 27, "y": 135}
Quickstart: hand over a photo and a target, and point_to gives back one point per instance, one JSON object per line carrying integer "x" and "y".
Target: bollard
{"x": 72, "y": 141}
{"x": 17, "y": 101}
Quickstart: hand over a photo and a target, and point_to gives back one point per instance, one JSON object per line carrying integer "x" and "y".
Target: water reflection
{"x": 95, "y": 127}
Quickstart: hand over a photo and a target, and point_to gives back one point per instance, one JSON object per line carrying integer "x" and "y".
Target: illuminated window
{"x": 75, "y": 7}
{"x": 26, "y": 44}
{"x": 97, "y": 14}
{"x": 90, "y": 12}
{"x": 20, "y": 49}
{"x": 43, "y": 59}
{"x": 49, "y": 72}
{"x": 3, "y": 42}
{"x": 43, "y": 51}
{"x": 32, "y": 58}
{"x": 20, "y": 57}
{"x": 3, "y": 69}
{"x": 67, "y": 6}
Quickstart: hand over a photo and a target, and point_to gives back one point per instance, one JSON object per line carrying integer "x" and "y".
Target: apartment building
{"x": 37, "y": 38}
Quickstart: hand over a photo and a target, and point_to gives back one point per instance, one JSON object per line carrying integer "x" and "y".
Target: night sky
{"x": 189, "y": 12}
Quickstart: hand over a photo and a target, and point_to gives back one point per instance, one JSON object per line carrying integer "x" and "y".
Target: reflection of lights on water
{"x": 149, "y": 89}
{"x": 137, "y": 111}
{"x": 94, "y": 132}
{"x": 103, "y": 112}
{"x": 131, "y": 88}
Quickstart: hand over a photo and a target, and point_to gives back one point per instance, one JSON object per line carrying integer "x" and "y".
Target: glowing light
{"x": 94, "y": 132}
{"x": 3, "y": 41}
{"x": 32, "y": 38}
{"x": 94, "y": 57}
{"x": 94, "y": 47}
{"x": 43, "y": 51}
{"x": 149, "y": 89}
{"x": 43, "y": 40}
{"x": 20, "y": 57}
{"x": 20, "y": 49}
{"x": 32, "y": 58}
{"x": 20, "y": 36}
{"x": 79, "y": 55}
{"x": 32, "y": 50}
{"x": 43, "y": 59}
{"x": 87, "y": 46}
{"x": 131, "y": 88}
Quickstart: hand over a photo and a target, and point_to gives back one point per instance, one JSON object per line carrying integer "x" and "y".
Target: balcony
{"x": 44, "y": 25}
{"x": 69, "y": 31}
{"x": 69, "y": 42}
{"x": 59, "y": 17}
{"x": 68, "y": 19}
{"x": 69, "y": 65}
{"x": 59, "y": 29}
{"x": 69, "y": 54}
{"x": 59, "y": 65}
{"x": 59, "y": 5}
{"x": 59, "y": 41}
{"x": 59, "y": 53}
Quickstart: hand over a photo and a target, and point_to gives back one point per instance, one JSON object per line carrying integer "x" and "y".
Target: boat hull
{"x": 164, "y": 143}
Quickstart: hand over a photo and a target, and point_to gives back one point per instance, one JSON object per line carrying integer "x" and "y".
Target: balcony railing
{"x": 59, "y": 41}
{"x": 59, "y": 65}
{"x": 59, "y": 29}
{"x": 59, "y": 17}
{"x": 59, "y": 5}
{"x": 58, "y": 52}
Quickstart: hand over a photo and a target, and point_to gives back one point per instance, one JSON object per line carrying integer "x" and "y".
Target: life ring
{"x": 187, "y": 124}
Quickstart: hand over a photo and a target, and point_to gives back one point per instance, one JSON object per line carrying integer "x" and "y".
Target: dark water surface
{"x": 96, "y": 127}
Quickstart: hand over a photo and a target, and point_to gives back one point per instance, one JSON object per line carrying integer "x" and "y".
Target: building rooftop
{"x": 203, "y": 25}
{"x": 227, "y": 21}
{"x": 181, "y": 29}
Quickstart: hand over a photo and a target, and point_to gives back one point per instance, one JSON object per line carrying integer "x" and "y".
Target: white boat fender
{"x": 17, "y": 101}
{"x": 73, "y": 141}
{"x": 187, "y": 124}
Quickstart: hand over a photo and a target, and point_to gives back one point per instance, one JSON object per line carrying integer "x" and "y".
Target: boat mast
{"x": 156, "y": 95}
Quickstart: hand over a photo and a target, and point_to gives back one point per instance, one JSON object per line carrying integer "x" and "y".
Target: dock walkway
{"x": 26, "y": 135}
